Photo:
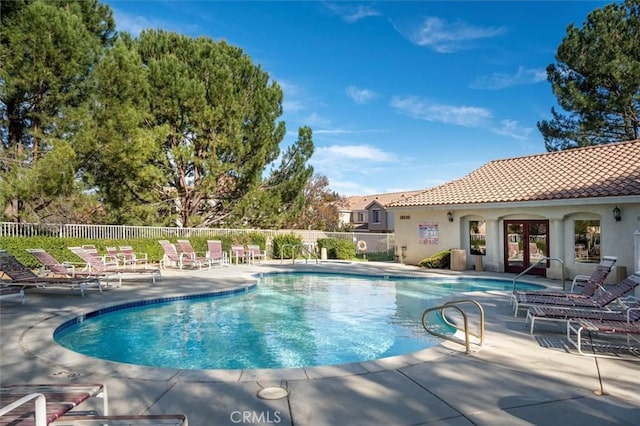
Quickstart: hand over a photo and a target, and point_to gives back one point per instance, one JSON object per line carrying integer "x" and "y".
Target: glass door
{"x": 526, "y": 242}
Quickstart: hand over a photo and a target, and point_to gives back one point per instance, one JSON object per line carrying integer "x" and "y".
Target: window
{"x": 360, "y": 218}
{"x": 376, "y": 215}
{"x": 477, "y": 237}
{"x": 587, "y": 241}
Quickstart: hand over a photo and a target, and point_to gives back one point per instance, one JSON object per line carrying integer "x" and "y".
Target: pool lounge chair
{"x": 21, "y": 276}
{"x": 255, "y": 254}
{"x": 51, "y": 266}
{"x": 187, "y": 251}
{"x": 12, "y": 292}
{"x": 173, "y": 257}
{"x": 215, "y": 253}
{"x": 606, "y": 338}
{"x": 96, "y": 265}
{"x": 581, "y": 286}
{"x": 44, "y": 404}
{"x": 600, "y": 300}
{"x": 630, "y": 312}
{"x": 132, "y": 259}
{"x": 238, "y": 252}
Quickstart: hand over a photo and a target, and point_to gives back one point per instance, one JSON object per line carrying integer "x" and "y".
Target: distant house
{"x": 575, "y": 205}
{"x": 368, "y": 213}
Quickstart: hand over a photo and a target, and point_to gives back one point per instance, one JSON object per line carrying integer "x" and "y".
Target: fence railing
{"x": 374, "y": 242}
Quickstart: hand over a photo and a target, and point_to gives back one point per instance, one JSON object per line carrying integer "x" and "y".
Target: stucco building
{"x": 576, "y": 205}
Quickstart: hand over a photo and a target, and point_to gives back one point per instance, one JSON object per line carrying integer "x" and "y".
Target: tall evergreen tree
{"x": 47, "y": 51}
{"x": 597, "y": 80}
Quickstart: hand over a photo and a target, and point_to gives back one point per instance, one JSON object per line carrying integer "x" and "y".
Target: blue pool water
{"x": 288, "y": 320}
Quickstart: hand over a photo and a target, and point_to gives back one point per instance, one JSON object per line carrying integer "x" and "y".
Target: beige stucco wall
{"x": 617, "y": 238}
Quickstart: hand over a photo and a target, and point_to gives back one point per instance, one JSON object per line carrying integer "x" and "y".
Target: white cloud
{"x": 512, "y": 128}
{"x": 461, "y": 115}
{"x": 522, "y": 76}
{"x": 352, "y": 13}
{"x": 447, "y": 37}
{"x": 360, "y": 96}
{"x": 348, "y": 153}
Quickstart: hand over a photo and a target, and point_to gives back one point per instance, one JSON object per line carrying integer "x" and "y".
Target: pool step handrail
{"x": 458, "y": 306}
{"x": 544, "y": 259}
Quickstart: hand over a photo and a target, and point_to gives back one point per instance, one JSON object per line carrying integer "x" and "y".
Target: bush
{"x": 338, "y": 249}
{"x": 440, "y": 260}
{"x": 282, "y": 245}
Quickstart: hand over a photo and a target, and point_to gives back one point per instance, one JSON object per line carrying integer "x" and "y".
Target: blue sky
{"x": 400, "y": 95}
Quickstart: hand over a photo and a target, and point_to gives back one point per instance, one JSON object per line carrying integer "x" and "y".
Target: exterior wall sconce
{"x": 450, "y": 216}
{"x": 616, "y": 214}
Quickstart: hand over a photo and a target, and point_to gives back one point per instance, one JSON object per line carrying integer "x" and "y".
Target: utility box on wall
{"x": 458, "y": 260}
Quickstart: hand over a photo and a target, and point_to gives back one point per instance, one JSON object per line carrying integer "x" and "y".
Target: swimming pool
{"x": 288, "y": 320}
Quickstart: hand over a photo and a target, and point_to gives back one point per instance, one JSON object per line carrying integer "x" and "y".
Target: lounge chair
{"x": 255, "y": 254}
{"x": 601, "y": 300}
{"x": 132, "y": 259}
{"x": 216, "y": 254}
{"x": 601, "y": 331}
{"x": 12, "y": 292}
{"x": 581, "y": 286}
{"x": 44, "y": 404}
{"x": 96, "y": 265}
{"x": 194, "y": 258}
{"x": 172, "y": 256}
{"x": 630, "y": 312}
{"x": 20, "y": 275}
{"x": 238, "y": 252}
{"x": 51, "y": 266}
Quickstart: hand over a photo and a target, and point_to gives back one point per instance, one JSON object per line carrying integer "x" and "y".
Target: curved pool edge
{"x": 38, "y": 341}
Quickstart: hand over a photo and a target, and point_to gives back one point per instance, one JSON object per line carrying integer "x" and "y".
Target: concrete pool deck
{"x": 515, "y": 378}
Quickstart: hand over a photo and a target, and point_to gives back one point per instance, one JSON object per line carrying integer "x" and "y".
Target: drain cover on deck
{"x": 273, "y": 392}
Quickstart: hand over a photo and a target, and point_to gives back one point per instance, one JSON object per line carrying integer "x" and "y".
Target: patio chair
{"x": 132, "y": 259}
{"x": 216, "y": 254}
{"x": 601, "y": 333}
{"x": 187, "y": 251}
{"x": 587, "y": 284}
{"x": 96, "y": 265}
{"x": 22, "y": 276}
{"x": 238, "y": 252}
{"x": 51, "y": 266}
{"x": 12, "y": 292}
{"x": 44, "y": 404}
{"x": 255, "y": 254}
{"x": 172, "y": 256}
{"x": 630, "y": 312}
{"x": 109, "y": 259}
{"x": 601, "y": 300}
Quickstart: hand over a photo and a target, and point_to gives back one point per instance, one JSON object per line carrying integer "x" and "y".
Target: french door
{"x": 525, "y": 243}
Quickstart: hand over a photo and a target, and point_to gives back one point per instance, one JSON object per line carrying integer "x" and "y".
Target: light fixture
{"x": 616, "y": 214}
{"x": 450, "y": 216}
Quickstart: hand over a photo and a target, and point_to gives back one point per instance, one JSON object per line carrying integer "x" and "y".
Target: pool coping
{"x": 38, "y": 341}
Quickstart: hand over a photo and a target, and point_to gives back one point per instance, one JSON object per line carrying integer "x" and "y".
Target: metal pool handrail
{"x": 465, "y": 322}
{"x": 544, "y": 259}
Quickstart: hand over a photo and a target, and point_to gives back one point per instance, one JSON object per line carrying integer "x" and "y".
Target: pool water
{"x": 289, "y": 320}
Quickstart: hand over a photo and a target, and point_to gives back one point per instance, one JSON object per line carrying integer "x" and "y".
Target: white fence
{"x": 374, "y": 242}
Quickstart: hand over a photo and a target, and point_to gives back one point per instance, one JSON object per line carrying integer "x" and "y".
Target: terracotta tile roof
{"x": 598, "y": 171}
{"x": 360, "y": 202}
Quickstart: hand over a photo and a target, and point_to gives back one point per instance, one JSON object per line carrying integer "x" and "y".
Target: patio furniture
{"x": 216, "y": 254}
{"x": 238, "y": 252}
{"x": 255, "y": 254}
{"x": 131, "y": 258}
{"x": 187, "y": 251}
{"x": 606, "y": 338}
{"x": 588, "y": 284}
{"x": 51, "y": 266}
{"x": 96, "y": 265}
{"x": 631, "y": 312}
{"x": 12, "y": 292}
{"x": 22, "y": 276}
{"x": 601, "y": 300}
{"x": 172, "y": 256}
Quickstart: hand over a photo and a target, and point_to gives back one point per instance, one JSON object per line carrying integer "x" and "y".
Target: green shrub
{"x": 282, "y": 245}
{"x": 440, "y": 260}
{"x": 338, "y": 249}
